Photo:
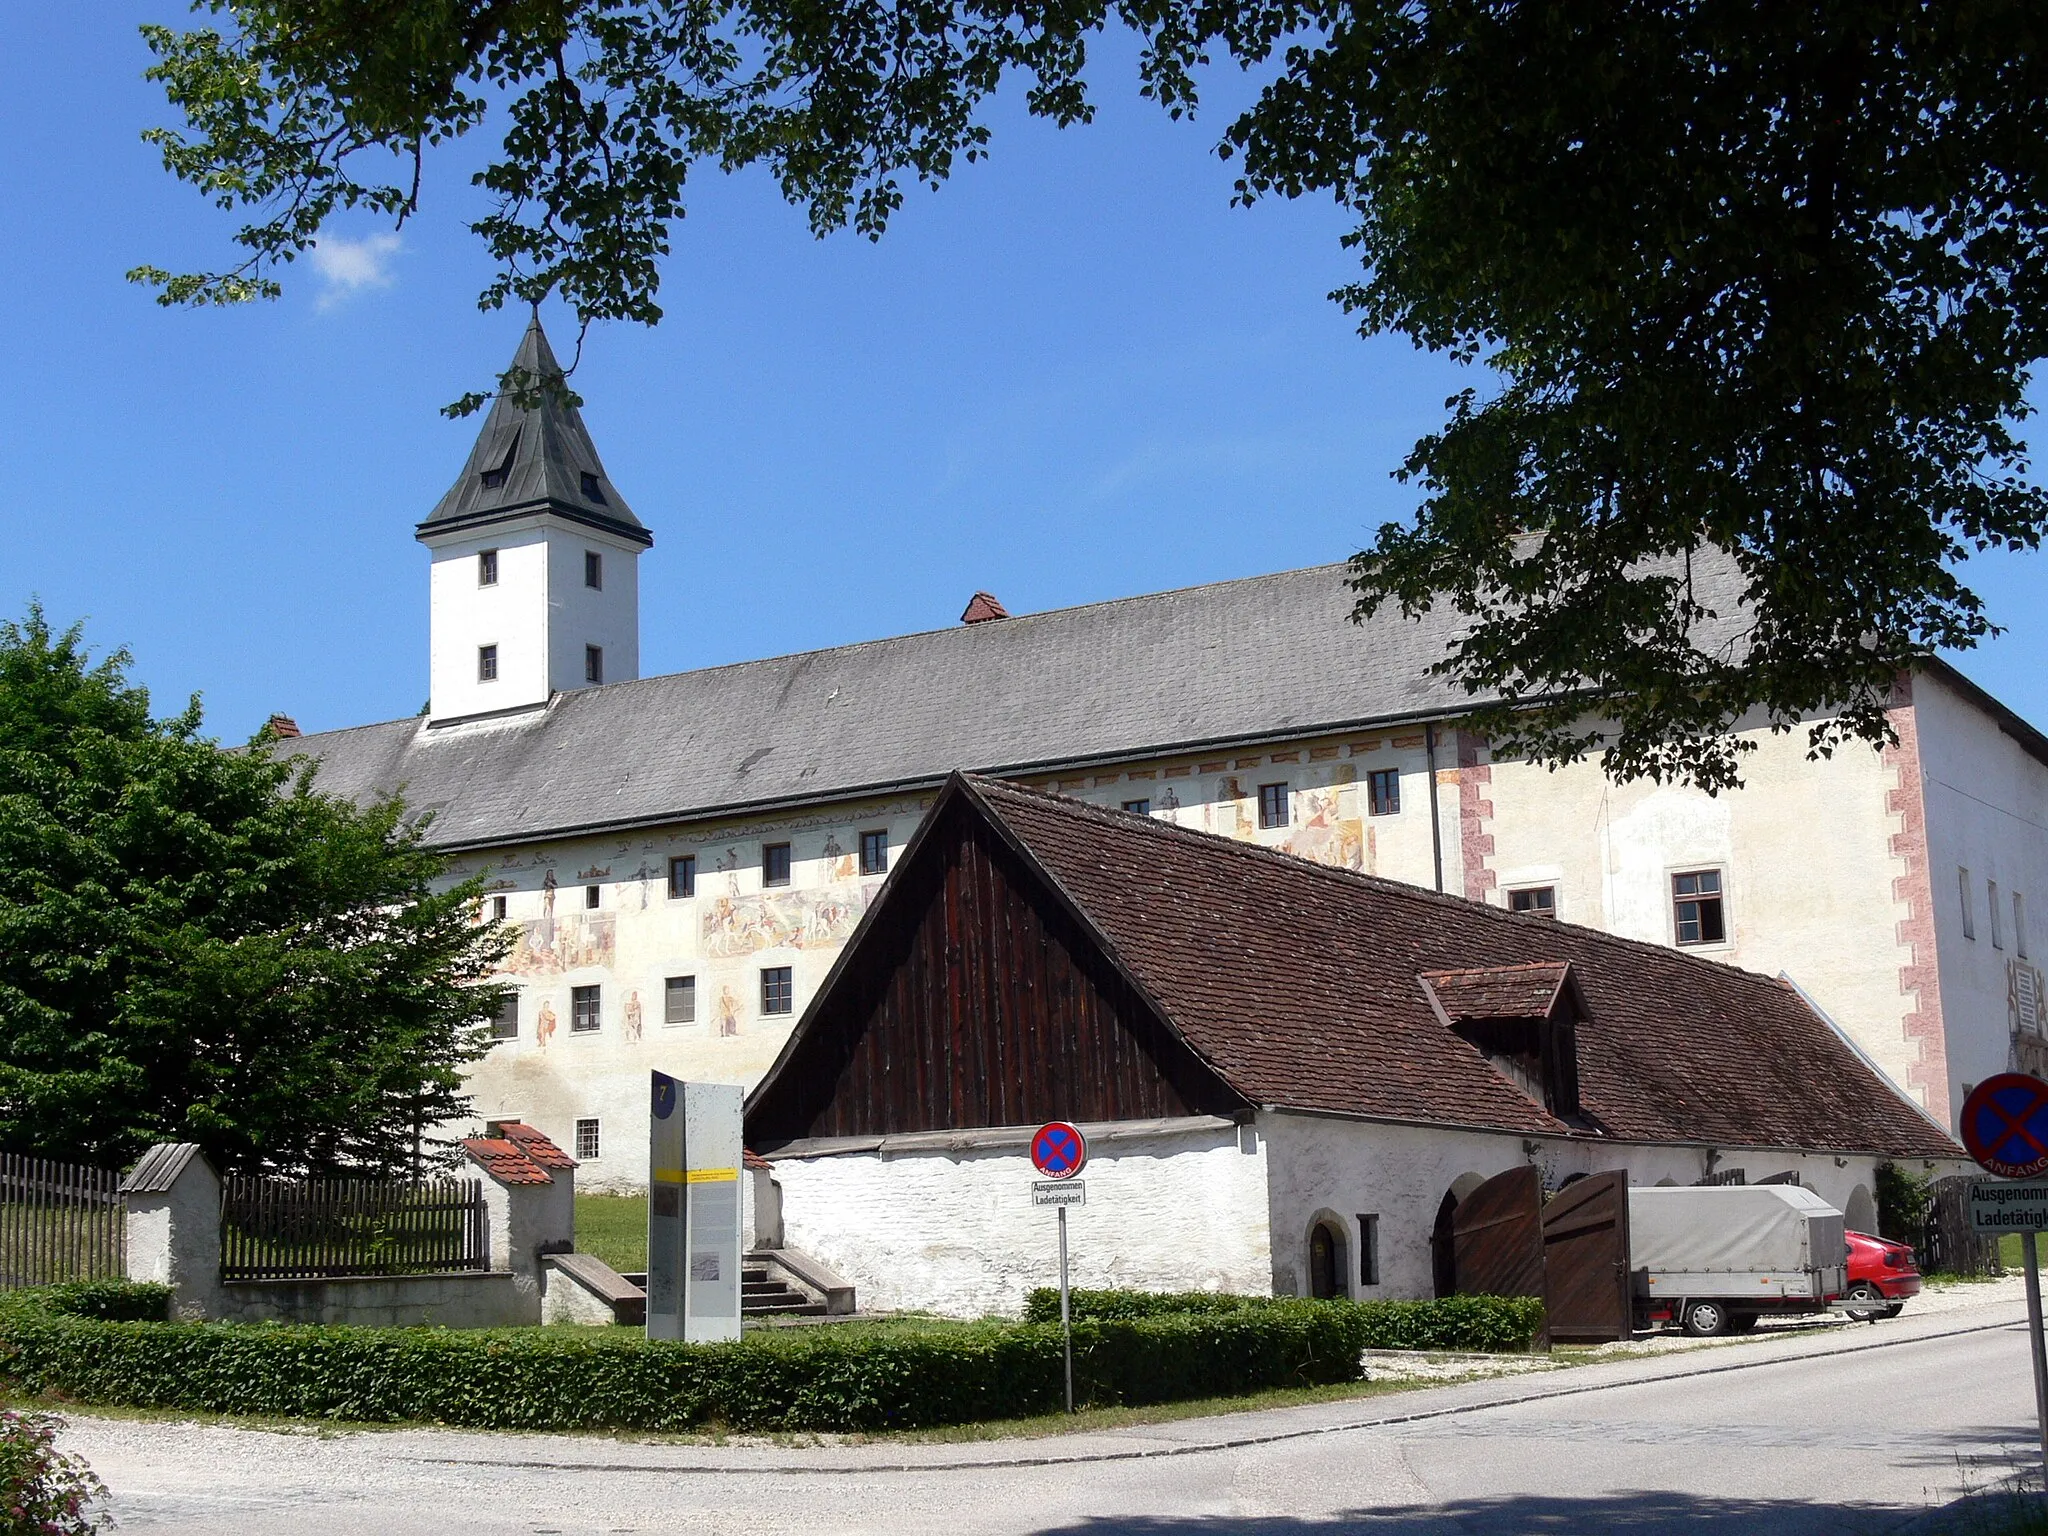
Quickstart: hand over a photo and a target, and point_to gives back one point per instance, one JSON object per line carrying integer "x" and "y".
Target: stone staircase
{"x": 765, "y": 1295}
{"x": 778, "y": 1283}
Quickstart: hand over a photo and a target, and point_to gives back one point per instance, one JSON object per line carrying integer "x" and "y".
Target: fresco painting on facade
{"x": 548, "y": 946}
{"x": 743, "y": 925}
{"x": 728, "y": 1012}
{"x": 1328, "y": 835}
{"x": 633, "y": 1017}
{"x": 839, "y": 864}
{"x": 544, "y": 1027}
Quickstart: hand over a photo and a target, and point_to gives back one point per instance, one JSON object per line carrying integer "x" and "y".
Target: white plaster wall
{"x": 1986, "y": 799}
{"x": 512, "y": 615}
{"x": 1805, "y": 853}
{"x": 956, "y": 1233}
{"x": 1400, "y": 1173}
{"x": 580, "y": 616}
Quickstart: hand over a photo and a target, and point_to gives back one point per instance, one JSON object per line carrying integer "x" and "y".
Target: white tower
{"x": 535, "y": 586}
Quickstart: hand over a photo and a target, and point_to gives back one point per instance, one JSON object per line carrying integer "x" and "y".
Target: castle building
{"x": 682, "y": 858}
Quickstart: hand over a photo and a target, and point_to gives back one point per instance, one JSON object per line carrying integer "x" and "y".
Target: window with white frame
{"x": 679, "y": 1000}
{"x": 1697, "y": 912}
{"x": 588, "y": 1146}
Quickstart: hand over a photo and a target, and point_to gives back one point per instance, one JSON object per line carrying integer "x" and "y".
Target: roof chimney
{"x": 284, "y": 727}
{"x": 982, "y": 607}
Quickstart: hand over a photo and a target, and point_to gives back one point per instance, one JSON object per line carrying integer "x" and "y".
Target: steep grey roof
{"x": 536, "y": 460}
{"x": 160, "y": 1167}
{"x": 1263, "y": 657}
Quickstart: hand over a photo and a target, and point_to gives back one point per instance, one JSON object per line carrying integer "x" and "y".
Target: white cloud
{"x": 348, "y": 266}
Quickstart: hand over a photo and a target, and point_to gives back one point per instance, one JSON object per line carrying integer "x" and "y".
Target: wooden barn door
{"x": 1585, "y": 1260}
{"x": 1497, "y": 1236}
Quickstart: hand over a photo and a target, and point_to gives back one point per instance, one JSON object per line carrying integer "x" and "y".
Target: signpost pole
{"x": 1067, "y": 1322}
{"x": 2034, "y": 1342}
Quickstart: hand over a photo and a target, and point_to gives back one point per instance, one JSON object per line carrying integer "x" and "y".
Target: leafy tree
{"x": 197, "y": 946}
{"x": 1762, "y": 282}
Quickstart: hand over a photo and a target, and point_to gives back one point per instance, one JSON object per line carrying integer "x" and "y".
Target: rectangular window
{"x": 874, "y": 853}
{"x": 775, "y": 863}
{"x": 587, "y": 1143}
{"x": 1368, "y": 1250}
{"x": 1272, "y": 805}
{"x": 505, "y": 1022}
{"x": 487, "y": 663}
{"x": 1969, "y": 913}
{"x": 679, "y": 1000}
{"x": 593, "y": 570}
{"x": 593, "y": 663}
{"x": 682, "y": 877}
{"x": 1696, "y": 907}
{"x": 2019, "y": 924}
{"x": 497, "y": 909}
{"x": 777, "y": 993}
{"x": 487, "y": 568}
{"x": 1138, "y": 807}
{"x": 591, "y": 898}
{"x": 1535, "y": 900}
{"x": 1383, "y": 792}
{"x": 1991, "y": 904}
{"x": 585, "y": 1013}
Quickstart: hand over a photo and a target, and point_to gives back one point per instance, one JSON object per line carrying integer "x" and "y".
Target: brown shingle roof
{"x": 1300, "y": 985}
{"x": 1500, "y": 991}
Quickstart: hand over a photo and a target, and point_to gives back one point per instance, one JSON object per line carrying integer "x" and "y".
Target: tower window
{"x": 591, "y": 898}
{"x": 487, "y": 663}
{"x": 1272, "y": 805}
{"x": 1534, "y": 901}
{"x": 593, "y": 663}
{"x": 682, "y": 876}
{"x": 777, "y": 993}
{"x": 493, "y": 478}
{"x": 1138, "y": 807}
{"x": 1969, "y": 917}
{"x": 1383, "y": 791}
{"x": 593, "y": 491}
{"x": 593, "y": 570}
{"x": 585, "y": 1010}
{"x": 1697, "y": 913}
{"x": 1991, "y": 906}
{"x": 505, "y": 1022}
{"x": 775, "y": 863}
{"x": 487, "y": 568}
{"x": 874, "y": 853}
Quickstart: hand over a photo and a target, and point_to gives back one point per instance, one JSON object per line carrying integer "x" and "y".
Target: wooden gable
{"x": 975, "y": 997}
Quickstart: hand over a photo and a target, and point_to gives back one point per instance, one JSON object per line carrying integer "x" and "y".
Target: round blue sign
{"x": 2005, "y": 1125}
{"x": 1058, "y": 1150}
{"x": 664, "y": 1095}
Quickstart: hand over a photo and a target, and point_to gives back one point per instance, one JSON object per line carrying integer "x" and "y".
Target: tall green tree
{"x": 197, "y": 946}
{"x": 1766, "y": 279}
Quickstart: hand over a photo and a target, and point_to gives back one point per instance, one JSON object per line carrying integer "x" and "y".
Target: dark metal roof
{"x": 1196, "y": 670}
{"x": 160, "y": 1167}
{"x": 538, "y": 459}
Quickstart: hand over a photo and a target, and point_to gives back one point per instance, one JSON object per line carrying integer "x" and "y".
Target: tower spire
{"x": 534, "y": 458}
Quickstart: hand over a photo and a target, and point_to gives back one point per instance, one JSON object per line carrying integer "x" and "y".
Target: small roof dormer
{"x": 534, "y": 459}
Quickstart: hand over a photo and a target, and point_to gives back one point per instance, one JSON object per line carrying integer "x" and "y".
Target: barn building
{"x": 681, "y": 858}
{"x": 1290, "y": 1074}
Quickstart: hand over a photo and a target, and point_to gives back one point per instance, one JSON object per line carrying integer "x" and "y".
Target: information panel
{"x": 693, "y": 1211}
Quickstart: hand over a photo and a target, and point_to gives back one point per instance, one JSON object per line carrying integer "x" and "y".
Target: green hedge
{"x": 1455, "y": 1322}
{"x": 827, "y": 1378}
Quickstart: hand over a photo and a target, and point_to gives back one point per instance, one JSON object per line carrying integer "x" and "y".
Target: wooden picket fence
{"x": 58, "y": 1222}
{"x": 1947, "y": 1245}
{"x": 301, "y": 1229}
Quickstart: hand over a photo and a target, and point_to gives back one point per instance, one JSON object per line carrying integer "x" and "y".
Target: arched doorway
{"x": 1859, "y": 1211}
{"x": 1325, "y": 1263}
{"x": 1443, "y": 1251}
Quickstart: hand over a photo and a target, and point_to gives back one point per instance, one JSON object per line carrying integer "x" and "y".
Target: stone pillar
{"x": 173, "y": 1227}
{"x": 531, "y": 1213}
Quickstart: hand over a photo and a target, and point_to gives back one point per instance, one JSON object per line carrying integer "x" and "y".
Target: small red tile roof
{"x": 1500, "y": 991}
{"x": 533, "y": 1144}
{"x": 754, "y": 1160}
{"x": 504, "y": 1161}
{"x": 1299, "y": 985}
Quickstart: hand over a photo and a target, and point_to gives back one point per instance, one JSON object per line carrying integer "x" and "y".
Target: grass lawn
{"x": 614, "y": 1227}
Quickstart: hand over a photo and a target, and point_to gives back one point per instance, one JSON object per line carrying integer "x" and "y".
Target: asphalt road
{"x": 1850, "y": 1430}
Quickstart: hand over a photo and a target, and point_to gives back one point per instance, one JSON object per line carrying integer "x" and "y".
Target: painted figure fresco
{"x": 550, "y": 946}
{"x": 633, "y": 1018}
{"x": 728, "y": 1012}
{"x": 742, "y": 925}
{"x": 544, "y": 1030}
{"x": 839, "y": 863}
{"x": 1326, "y": 835}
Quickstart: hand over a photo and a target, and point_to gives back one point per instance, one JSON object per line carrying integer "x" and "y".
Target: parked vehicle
{"x": 1715, "y": 1258}
{"x": 1880, "y": 1272}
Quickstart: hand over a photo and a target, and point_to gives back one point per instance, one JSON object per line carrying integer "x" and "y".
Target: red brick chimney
{"x": 982, "y": 607}
{"x": 284, "y": 727}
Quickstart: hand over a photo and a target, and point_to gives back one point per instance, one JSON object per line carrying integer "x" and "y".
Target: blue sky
{"x": 1075, "y": 373}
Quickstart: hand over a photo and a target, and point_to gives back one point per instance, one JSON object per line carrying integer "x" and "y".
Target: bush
{"x": 111, "y": 1301}
{"x": 546, "y": 1378}
{"x": 1902, "y": 1203}
{"x": 1453, "y": 1322}
{"x": 43, "y": 1492}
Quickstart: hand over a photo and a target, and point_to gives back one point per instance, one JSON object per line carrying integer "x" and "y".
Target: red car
{"x": 1881, "y": 1273}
